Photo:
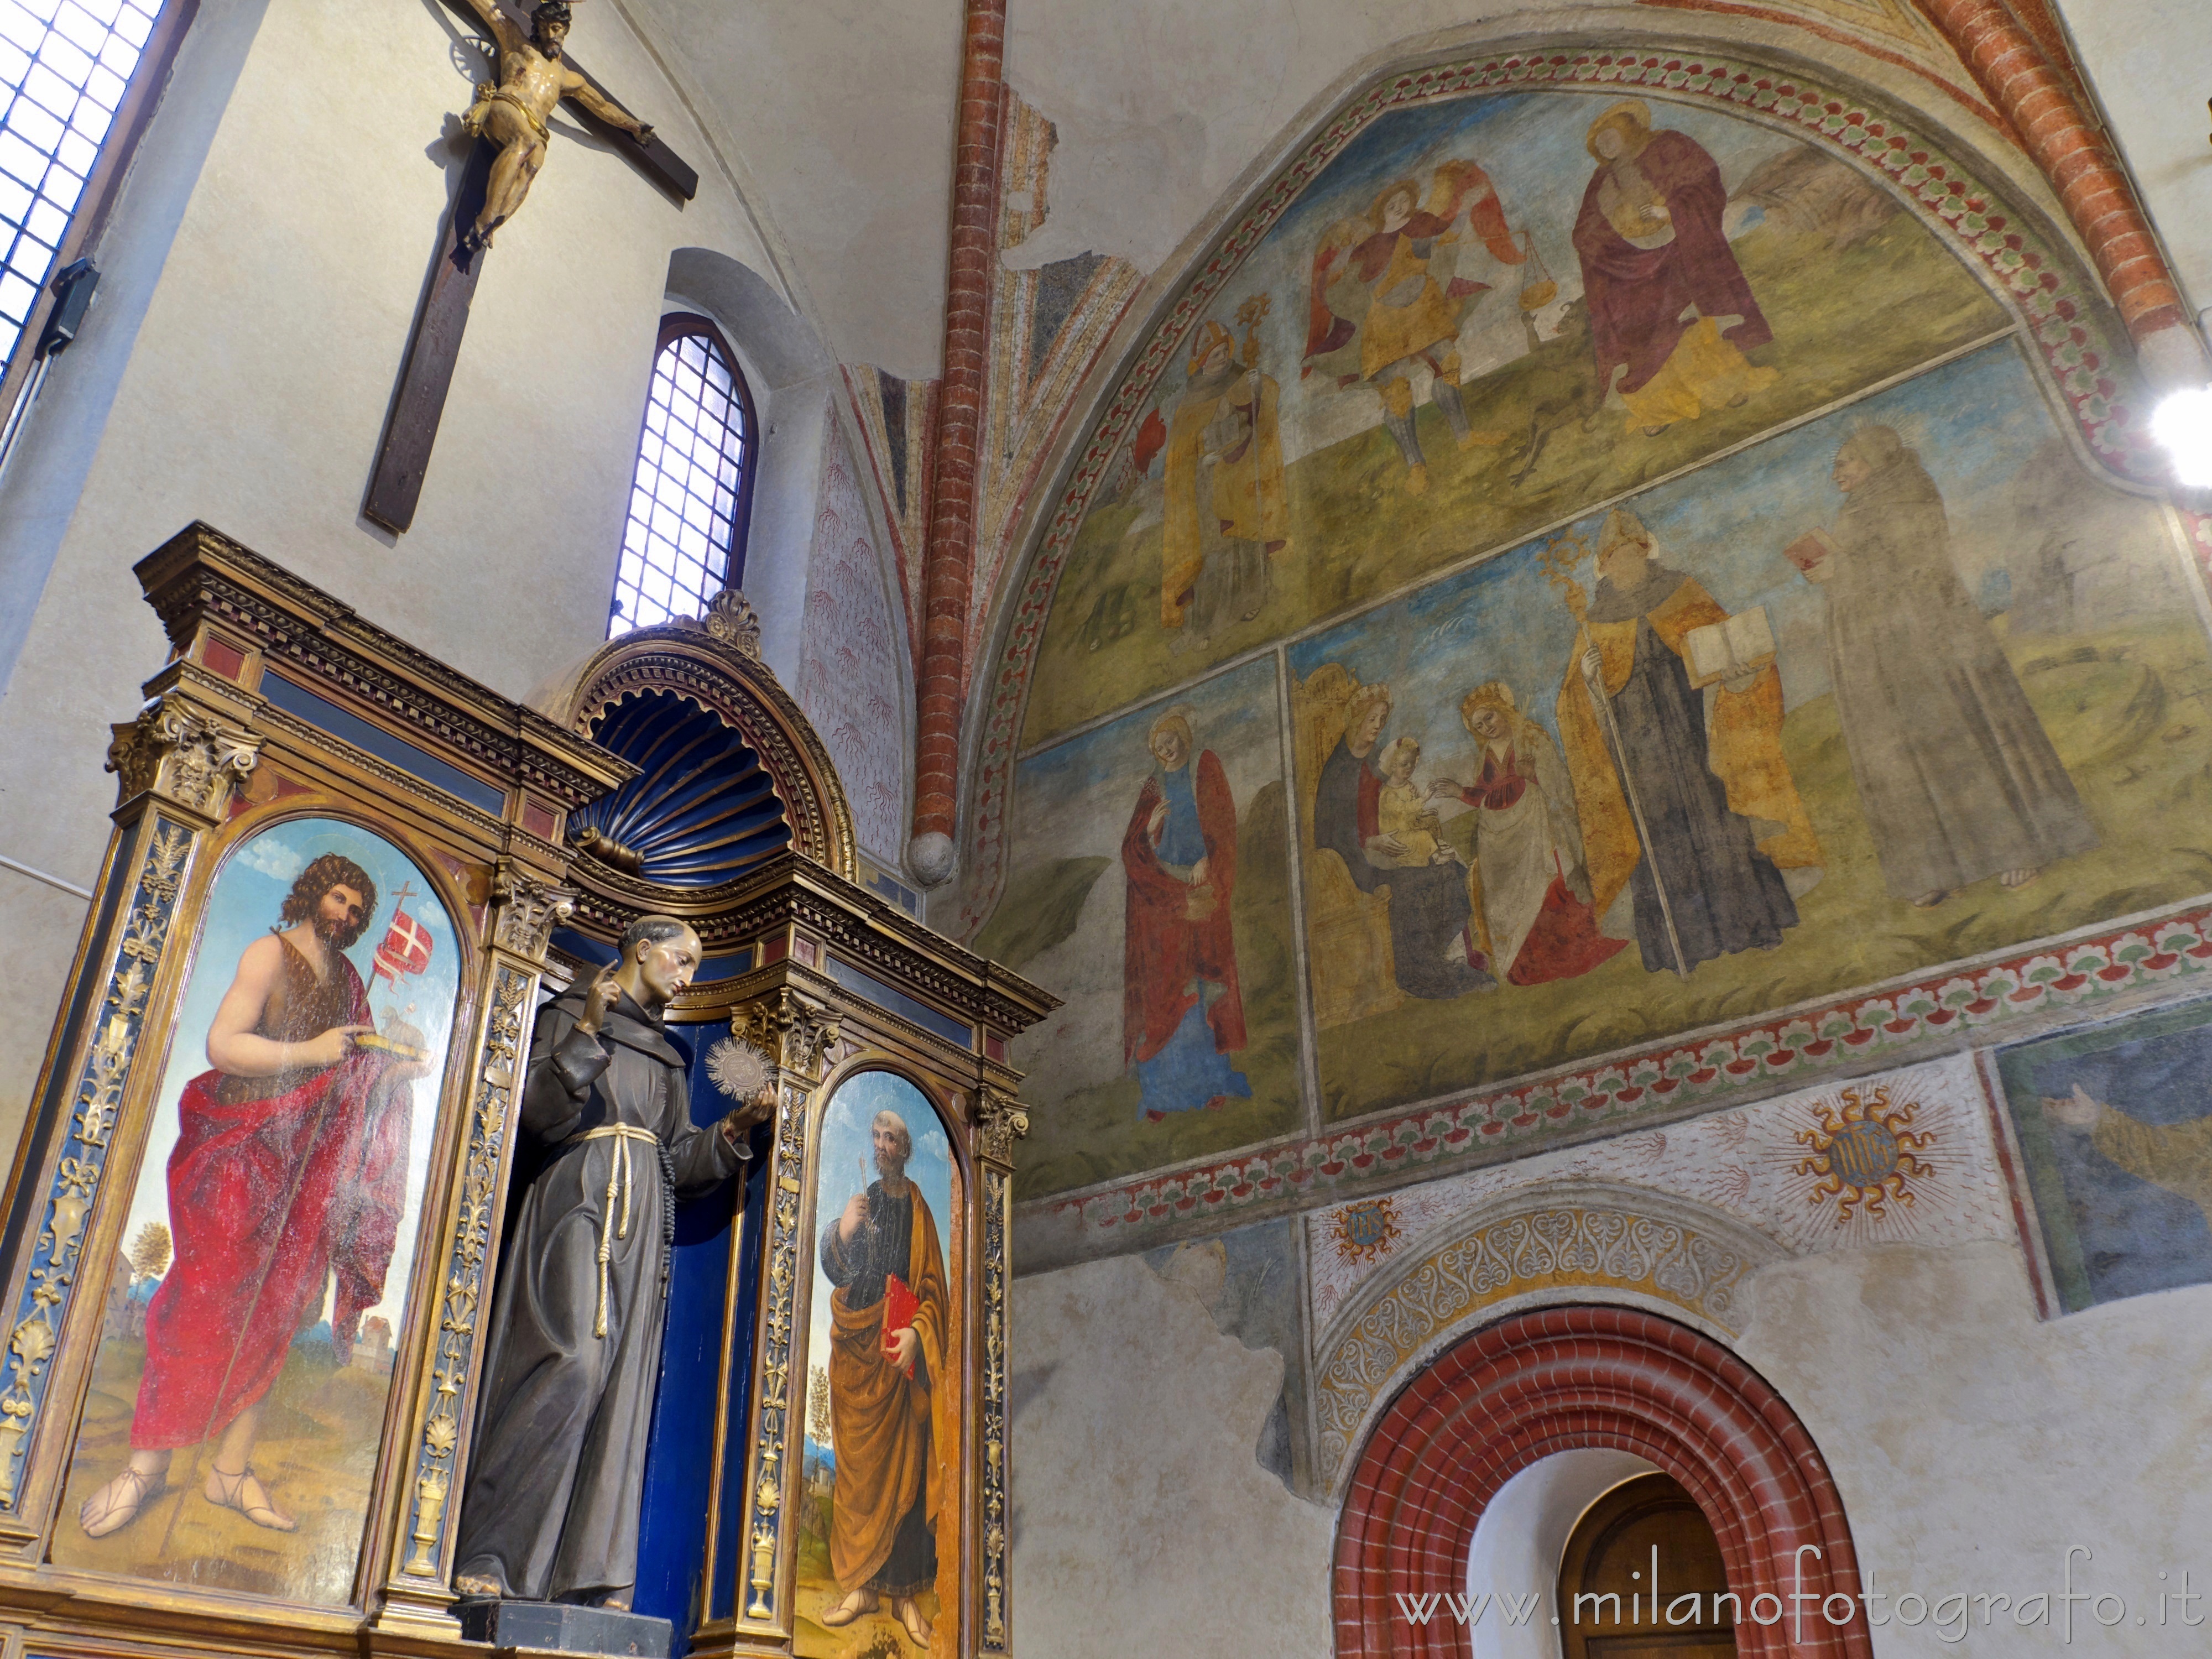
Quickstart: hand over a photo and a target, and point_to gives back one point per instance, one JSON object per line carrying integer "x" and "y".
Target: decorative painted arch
{"x": 1574, "y": 1240}
{"x": 1561, "y": 1378}
{"x": 2076, "y": 334}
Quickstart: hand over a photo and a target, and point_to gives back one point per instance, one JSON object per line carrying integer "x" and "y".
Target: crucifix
{"x": 508, "y": 121}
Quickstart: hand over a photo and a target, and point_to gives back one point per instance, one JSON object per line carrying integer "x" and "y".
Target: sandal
{"x": 918, "y": 1628}
{"x": 229, "y": 1491}
{"x": 113, "y": 1516}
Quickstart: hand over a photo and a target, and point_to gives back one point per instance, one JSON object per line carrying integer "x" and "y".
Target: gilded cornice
{"x": 200, "y": 574}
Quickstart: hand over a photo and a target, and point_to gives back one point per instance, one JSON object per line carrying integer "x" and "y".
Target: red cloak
{"x": 1636, "y": 295}
{"x": 1165, "y": 951}
{"x": 254, "y": 1250}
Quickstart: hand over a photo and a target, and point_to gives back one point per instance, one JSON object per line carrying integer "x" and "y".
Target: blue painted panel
{"x": 585, "y": 949}
{"x": 701, "y": 810}
{"x": 299, "y": 702}
{"x": 868, "y": 986}
{"x": 679, "y": 1464}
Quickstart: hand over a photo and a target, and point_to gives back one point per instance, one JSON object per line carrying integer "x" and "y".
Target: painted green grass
{"x": 2131, "y": 712}
{"x": 1358, "y": 533}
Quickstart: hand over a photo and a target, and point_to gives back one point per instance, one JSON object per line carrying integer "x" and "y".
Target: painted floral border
{"x": 2070, "y": 324}
{"x": 1799, "y": 1046}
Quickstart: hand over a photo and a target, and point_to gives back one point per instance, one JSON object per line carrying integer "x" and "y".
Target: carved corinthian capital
{"x": 181, "y": 754}
{"x": 1000, "y": 1120}
{"x": 796, "y": 1031}
{"x": 528, "y": 911}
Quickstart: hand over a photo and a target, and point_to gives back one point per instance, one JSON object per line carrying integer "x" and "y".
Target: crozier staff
{"x": 552, "y": 1508}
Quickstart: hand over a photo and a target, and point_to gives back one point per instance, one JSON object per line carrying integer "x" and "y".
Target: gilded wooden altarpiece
{"x": 831, "y": 985}
{"x": 284, "y": 721}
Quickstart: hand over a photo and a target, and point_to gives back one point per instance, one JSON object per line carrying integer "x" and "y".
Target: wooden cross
{"x": 412, "y": 426}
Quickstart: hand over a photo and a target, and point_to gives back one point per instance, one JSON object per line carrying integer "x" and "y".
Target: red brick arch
{"x": 1558, "y": 1379}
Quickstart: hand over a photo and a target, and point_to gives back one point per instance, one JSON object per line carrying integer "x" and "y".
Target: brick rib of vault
{"x": 948, "y": 566}
{"x": 2029, "y": 92}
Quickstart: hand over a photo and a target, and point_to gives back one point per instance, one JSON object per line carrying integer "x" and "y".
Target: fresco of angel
{"x": 1387, "y": 298}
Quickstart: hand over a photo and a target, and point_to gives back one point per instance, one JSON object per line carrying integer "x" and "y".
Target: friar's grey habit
{"x": 557, "y": 1471}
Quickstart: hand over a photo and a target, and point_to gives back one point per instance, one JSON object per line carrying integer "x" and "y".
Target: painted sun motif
{"x": 1365, "y": 1230}
{"x": 1864, "y": 1154}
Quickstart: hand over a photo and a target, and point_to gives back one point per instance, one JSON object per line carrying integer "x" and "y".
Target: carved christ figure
{"x": 512, "y": 114}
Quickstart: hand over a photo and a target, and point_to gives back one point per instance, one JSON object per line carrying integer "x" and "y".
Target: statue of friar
{"x": 551, "y": 1512}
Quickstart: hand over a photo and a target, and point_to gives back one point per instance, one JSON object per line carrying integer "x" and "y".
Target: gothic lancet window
{"x": 685, "y": 539}
{"x": 66, "y": 66}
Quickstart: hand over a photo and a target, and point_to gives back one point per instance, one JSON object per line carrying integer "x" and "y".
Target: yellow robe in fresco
{"x": 2175, "y": 1156}
{"x": 1243, "y": 489}
{"x": 1745, "y": 751}
{"x": 1390, "y": 333}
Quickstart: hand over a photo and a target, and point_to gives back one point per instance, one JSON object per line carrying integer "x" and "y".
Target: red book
{"x": 1809, "y": 549}
{"x": 900, "y": 1305}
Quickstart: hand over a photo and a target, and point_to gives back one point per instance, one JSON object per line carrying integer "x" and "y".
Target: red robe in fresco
{"x": 1636, "y": 295}
{"x": 1165, "y": 950}
{"x": 276, "y": 1185}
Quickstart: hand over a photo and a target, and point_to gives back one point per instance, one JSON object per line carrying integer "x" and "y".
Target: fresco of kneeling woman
{"x": 1435, "y": 954}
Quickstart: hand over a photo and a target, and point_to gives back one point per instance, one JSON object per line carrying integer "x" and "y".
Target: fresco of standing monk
{"x": 1956, "y": 777}
{"x": 1224, "y": 513}
{"x": 286, "y": 1183}
{"x": 1696, "y": 824}
{"x": 1375, "y": 285}
{"x": 893, "y": 1402}
{"x": 1530, "y": 887}
{"x": 1671, "y": 313}
{"x": 1182, "y": 1013}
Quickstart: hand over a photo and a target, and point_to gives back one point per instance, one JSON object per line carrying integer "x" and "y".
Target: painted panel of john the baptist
{"x": 1483, "y": 315}
{"x": 2115, "y": 1132}
{"x": 1902, "y": 685}
{"x": 1151, "y": 889}
{"x": 238, "y": 1398}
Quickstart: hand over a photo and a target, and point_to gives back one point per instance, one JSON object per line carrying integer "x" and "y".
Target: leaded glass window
{"x": 684, "y": 540}
{"x": 63, "y": 67}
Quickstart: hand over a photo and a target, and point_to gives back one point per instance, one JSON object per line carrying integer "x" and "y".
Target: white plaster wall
{"x": 2149, "y": 64}
{"x": 837, "y": 118}
{"x": 1972, "y": 1443}
{"x": 1142, "y": 1522}
{"x": 1522, "y": 1539}
{"x": 262, "y": 273}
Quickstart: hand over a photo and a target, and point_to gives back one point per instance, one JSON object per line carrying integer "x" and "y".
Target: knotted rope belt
{"x": 618, "y": 1189}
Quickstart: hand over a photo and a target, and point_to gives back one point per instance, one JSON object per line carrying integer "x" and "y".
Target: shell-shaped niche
{"x": 701, "y": 811}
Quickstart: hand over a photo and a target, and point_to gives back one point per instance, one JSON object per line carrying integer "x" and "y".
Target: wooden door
{"x": 1645, "y": 1524}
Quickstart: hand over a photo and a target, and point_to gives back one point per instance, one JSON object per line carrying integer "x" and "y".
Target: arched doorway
{"x": 1642, "y": 1577}
{"x": 1555, "y": 1379}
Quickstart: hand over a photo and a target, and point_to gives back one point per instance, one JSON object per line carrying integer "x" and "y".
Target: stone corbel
{"x": 182, "y": 754}
{"x": 529, "y": 910}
